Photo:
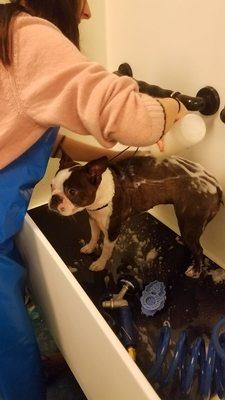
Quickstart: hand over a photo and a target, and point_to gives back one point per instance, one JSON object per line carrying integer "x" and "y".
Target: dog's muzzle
{"x": 56, "y": 200}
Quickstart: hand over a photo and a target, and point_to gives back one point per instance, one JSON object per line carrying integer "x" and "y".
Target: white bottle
{"x": 185, "y": 133}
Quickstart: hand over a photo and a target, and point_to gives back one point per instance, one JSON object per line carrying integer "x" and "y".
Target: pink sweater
{"x": 50, "y": 83}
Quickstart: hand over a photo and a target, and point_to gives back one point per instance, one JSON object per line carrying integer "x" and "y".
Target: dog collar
{"x": 100, "y": 208}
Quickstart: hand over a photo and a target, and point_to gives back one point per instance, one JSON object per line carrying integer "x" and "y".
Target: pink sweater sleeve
{"x": 57, "y": 85}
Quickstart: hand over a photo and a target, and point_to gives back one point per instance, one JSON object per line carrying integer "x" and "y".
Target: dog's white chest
{"x": 102, "y": 217}
{"x": 104, "y": 196}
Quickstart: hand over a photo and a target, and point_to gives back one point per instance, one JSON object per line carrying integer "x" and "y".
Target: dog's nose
{"x": 55, "y": 201}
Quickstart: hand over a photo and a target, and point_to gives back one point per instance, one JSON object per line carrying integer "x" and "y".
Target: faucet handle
{"x": 124, "y": 69}
{"x": 222, "y": 115}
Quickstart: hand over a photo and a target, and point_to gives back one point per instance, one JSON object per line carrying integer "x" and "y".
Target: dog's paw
{"x": 87, "y": 249}
{"x": 97, "y": 265}
{"x": 192, "y": 272}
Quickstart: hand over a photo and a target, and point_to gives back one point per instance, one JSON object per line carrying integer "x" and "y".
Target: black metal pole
{"x": 207, "y": 100}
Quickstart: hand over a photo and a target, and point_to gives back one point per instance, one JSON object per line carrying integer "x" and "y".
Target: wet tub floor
{"x": 150, "y": 251}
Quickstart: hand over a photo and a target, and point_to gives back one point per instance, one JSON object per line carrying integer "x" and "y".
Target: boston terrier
{"x": 111, "y": 192}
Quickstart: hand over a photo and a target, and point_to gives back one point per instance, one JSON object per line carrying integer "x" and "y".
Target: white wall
{"x": 93, "y": 33}
{"x": 178, "y": 45}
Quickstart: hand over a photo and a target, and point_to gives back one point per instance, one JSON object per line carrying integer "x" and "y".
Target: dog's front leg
{"x": 107, "y": 250}
{"x": 95, "y": 232}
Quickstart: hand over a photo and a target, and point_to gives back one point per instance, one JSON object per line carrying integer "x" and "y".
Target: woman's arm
{"x": 85, "y": 152}
{"x": 64, "y": 88}
{"x": 174, "y": 110}
{"x": 79, "y": 151}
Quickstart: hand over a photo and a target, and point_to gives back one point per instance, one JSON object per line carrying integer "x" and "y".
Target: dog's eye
{"x": 72, "y": 192}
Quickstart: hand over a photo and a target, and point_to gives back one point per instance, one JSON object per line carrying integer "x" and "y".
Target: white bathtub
{"x": 96, "y": 357}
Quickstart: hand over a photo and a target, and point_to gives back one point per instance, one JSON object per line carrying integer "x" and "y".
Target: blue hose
{"x": 211, "y": 362}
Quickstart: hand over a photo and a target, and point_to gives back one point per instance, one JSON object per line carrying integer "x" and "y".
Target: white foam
{"x": 201, "y": 179}
{"x": 218, "y": 275}
{"x": 152, "y": 254}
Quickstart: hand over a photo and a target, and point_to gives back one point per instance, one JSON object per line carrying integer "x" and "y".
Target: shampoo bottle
{"x": 185, "y": 133}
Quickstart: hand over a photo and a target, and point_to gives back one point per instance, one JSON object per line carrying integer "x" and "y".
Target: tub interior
{"x": 150, "y": 251}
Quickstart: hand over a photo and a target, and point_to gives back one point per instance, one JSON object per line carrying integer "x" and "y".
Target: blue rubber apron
{"x": 20, "y": 368}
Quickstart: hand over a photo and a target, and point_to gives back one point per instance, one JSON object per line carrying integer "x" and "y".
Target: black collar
{"x": 100, "y": 208}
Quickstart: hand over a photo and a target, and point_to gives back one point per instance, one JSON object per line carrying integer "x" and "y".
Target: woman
{"x": 47, "y": 83}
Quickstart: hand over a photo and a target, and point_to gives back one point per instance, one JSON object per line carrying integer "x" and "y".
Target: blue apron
{"x": 20, "y": 367}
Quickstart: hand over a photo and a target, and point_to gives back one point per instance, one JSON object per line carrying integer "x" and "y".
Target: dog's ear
{"x": 66, "y": 161}
{"x": 96, "y": 168}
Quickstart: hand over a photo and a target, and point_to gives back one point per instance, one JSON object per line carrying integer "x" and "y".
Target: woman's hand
{"x": 183, "y": 111}
{"x": 172, "y": 115}
{"x": 174, "y": 110}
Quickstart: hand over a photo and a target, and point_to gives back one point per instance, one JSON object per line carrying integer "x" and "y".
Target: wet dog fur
{"x": 113, "y": 192}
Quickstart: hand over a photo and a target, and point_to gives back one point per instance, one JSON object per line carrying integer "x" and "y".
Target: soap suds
{"x": 203, "y": 181}
{"x": 218, "y": 275}
{"x": 72, "y": 269}
{"x": 152, "y": 254}
{"x": 144, "y": 252}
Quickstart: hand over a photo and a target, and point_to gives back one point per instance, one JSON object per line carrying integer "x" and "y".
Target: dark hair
{"x": 62, "y": 13}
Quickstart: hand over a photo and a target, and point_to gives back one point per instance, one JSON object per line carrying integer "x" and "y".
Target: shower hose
{"x": 208, "y": 361}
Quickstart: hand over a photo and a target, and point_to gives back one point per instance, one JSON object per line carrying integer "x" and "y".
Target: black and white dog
{"x": 112, "y": 192}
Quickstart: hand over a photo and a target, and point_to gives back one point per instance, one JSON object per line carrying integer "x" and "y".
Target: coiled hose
{"x": 209, "y": 363}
